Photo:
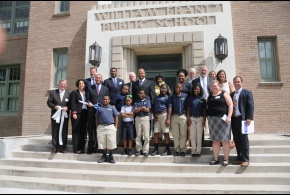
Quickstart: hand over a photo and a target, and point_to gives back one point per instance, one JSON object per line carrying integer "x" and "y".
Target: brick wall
{"x": 16, "y": 46}
{"x": 46, "y": 32}
{"x": 265, "y": 18}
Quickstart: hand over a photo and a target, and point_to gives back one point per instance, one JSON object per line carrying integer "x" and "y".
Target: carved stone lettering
{"x": 151, "y": 12}
{"x": 168, "y": 22}
{"x": 189, "y": 10}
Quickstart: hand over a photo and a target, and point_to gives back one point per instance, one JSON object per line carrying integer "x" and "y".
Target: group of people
{"x": 111, "y": 111}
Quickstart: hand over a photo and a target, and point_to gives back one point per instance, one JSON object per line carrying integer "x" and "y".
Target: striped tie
{"x": 235, "y": 100}
{"x": 98, "y": 89}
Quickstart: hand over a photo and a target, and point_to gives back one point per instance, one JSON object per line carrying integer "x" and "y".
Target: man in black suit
{"x": 144, "y": 84}
{"x": 204, "y": 80}
{"x": 58, "y": 102}
{"x": 91, "y": 81}
{"x": 243, "y": 102}
{"x": 114, "y": 84}
{"x": 94, "y": 96}
{"x": 132, "y": 78}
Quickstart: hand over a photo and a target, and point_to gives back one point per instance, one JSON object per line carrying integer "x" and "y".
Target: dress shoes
{"x": 237, "y": 162}
{"x": 137, "y": 153}
{"x": 245, "y": 164}
{"x": 103, "y": 159}
{"x": 166, "y": 152}
{"x": 182, "y": 154}
{"x": 54, "y": 151}
{"x": 89, "y": 151}
{"x": 177, "y": 154}
{"x": 145, "y": 154}
{"x": 111, "y": 160}
{"x": 62, "y": 151}
{"x": 155, "y": 152}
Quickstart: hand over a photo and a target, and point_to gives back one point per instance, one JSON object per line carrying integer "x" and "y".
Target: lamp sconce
{"x": 220, "y": 48}
{"x": 95, "y": 54}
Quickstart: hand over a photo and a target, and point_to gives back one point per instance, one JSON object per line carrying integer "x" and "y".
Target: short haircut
{"x": 238, "y": 77}
{"x": 78, "y": 82}
{"x": 113, "y": 68}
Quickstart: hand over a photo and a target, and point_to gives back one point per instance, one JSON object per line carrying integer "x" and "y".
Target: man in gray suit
{"x": 243, "y": 103}
{"x": 204, "y": 80}
{"x": 58, "y": 102}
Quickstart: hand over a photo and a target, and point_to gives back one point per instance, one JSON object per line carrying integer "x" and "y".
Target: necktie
{"x": 93, "y": 81}
{"x": 61, "y": 95}
{"x": 141, "y": 82}
{"x": 204, "y": 87}
{"x": 115, "y": 81}
{"x": 235, "y": 101}
{"x": 98, "y": 90}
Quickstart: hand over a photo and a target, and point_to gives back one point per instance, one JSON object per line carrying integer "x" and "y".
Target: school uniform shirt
{"x": 119, "y": 101}
{"x": 161, "y": 103}
{"x": 140, "y": 103}
{"x": 106, "y": 114}
{"x": 179, "y": 103}
{"x": 196, "y": 106}
{"x": 125, "y": 109}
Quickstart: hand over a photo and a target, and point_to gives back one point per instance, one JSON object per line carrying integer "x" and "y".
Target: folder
{"x": 248, "y": 129}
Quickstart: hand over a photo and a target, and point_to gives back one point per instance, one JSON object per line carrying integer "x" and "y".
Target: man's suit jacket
{"x": 76, "y": 106}
{"x": 93, "y": 97}
{"x": 113, "y": 91}
{"x": 245, "y": 104}
{"x": 147, "y": 86}
{"x": 54, "y": 100}
{"x": 197, "y": 80}
{"x": 88, "y": 83}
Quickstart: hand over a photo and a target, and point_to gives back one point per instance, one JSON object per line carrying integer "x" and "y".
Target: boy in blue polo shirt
{"x": 142, "y": 110}
{"x": 106, "y": 123}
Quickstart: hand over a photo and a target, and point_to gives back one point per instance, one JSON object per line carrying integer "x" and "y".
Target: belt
{"x": 196, "y": 116}
{"x": 161, "y": 113}
{"x": 179, "y": 114}
{"x": 106, "y": 124}
{"x": 236, "y": 116}
{"x": 142, "y": 115}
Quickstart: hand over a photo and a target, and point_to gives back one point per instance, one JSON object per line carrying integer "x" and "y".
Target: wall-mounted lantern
{"x": 220, "y": 48}
{"x": 95, "y": 54}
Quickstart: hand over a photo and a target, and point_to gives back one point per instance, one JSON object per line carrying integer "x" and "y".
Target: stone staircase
{"x": 32, "y": 167}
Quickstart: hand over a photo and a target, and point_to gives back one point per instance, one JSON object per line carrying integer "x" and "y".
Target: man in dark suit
{"x": 114, "y": 84}
{"x": 91, "y": 81}
{"x": 132, "y": 78}
{"x": 58, "y": 102}
{"x": 144, "y": 84}
{"x": 94, "y": 96}
{"x": 204, "y": 80}
{"x": 243, "y": 102}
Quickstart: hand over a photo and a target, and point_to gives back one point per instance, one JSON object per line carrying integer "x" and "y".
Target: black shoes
{"x": 155, "y": 152}
{"x": 90, "y": 151}
{"x": 111, "y": 160}
{"x": 177, "y": 154}
{"x": 182, "y": 154}
{"x": 214, "y": 162}
{"x": 129, "y": 152}
{"x": 196, "y": 155}
{"x": 125, "y": 152}
{"x": 145, "y": 154}
{"x": 103, "y": 159}
{"x": 137, "y": 153}
{"x": 166, "y": 152}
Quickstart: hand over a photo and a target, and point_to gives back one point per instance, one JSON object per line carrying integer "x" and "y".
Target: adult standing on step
{"x": 243, "y": 109}
{"x": 58, "y": 102}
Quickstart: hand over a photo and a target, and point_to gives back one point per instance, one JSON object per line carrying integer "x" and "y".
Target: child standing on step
{"x": 127, "y": 112}
{"x": 106, "y": 123}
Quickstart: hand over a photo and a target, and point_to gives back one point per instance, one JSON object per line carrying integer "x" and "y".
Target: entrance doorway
{"x": 165, "y": 65}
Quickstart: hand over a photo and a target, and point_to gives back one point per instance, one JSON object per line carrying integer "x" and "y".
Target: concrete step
{"x": 84, "y": 186}
{"x": 280, "y": 149}
{"x": 146, "y": 177}
{"x": 201, "y": 167}
{"x": 205, "y": 158}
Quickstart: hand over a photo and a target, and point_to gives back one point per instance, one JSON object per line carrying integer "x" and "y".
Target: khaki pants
{"x": 196, "y": 131}
{"x": 142, "y": 126}
{"x": 179, "y": 132}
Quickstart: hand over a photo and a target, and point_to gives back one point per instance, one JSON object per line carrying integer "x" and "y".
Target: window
{"x": 267, "y": 57}
{"x": 60, "y": 64}
{"x": 15, "y": 16}
{"x": 9, "y": 88}
{"x": 63, "y": 6}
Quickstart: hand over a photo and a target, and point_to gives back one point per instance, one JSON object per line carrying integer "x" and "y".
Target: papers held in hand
{"x": 248, "y": 129}
{"x": 85, "y": 103}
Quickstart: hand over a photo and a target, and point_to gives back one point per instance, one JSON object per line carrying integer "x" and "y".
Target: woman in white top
{"x": 226, "y": 86}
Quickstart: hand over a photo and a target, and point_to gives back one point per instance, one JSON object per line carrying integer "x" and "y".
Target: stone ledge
{"x": 270, "y": 84}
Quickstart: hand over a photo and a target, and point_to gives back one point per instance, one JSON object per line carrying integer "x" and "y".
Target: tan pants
{"x": 142, "y": 126}
{"x": 106, "y": 137}
{"x": 179, "y": 132}
{"x": 196, "y": 134}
